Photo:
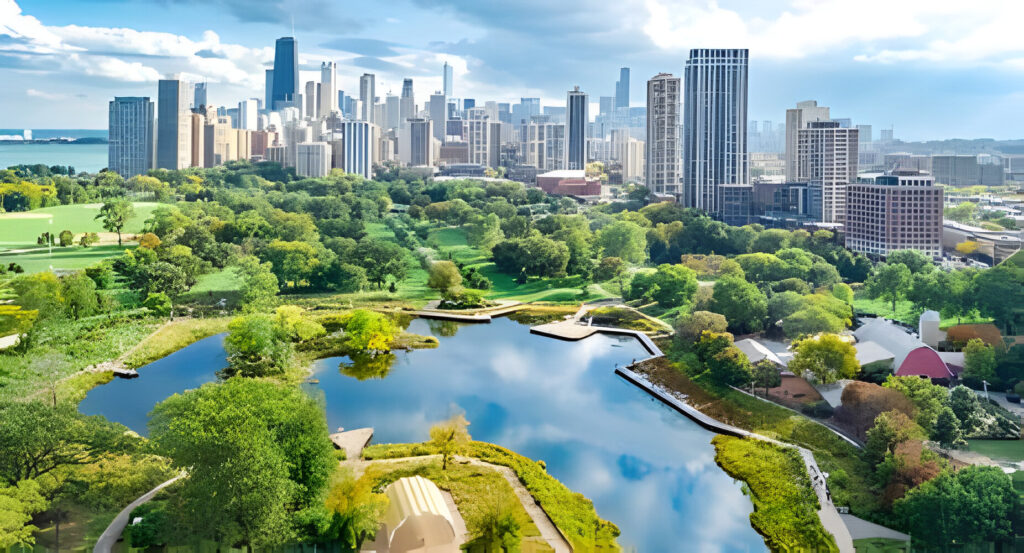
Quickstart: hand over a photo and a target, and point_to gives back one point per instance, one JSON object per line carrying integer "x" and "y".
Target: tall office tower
{"x": 248, "y": 114}
{"x": 286, "y": 74}
{"x": 439, "y": 114}
{"x": 827, "y": 157}
{"x": 220, "y": 142}
{"x": 359, "y": 143}
{"x": 313, "y": 159}
{"x": 606, "y": 105}
{"x": 864, "y": 134}
{"x": 392, "y": 112}
{"x": 901, "y": 210}
{"x": 504, "y": 112}
{"x": 197, "y": 128}
{"x": 174, "y": 124}
{"x": 449, "y": 88}
{"x": 714, "y": 124}
{"x": 408, "y": 103}
{"x": 268, "y": 90}
{"x": 544, "y": 145}
{"x": 342, "y": 101}
{"x": 416, "y": 142}
{"x": 622, "y": 89}
{"x": 796, "y": 119}
{"x": 577, "y": 111}
{"x": 664, "y": 158}
{"x": 310, "y": 101}
{"x": 368, "y": 96}
{"x": 328, "y": 88}
{"x": 483, "y": 137}
{"x": 199, "y": 96}
{"x": 130, "y": 145}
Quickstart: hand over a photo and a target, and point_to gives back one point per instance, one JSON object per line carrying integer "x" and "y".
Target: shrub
{"x": 818, "y": 409}
{"x": 158, "y": 303}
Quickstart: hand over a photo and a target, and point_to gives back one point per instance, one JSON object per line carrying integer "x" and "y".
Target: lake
{"x": 647, "y": 468}
{"x": 83, "y": 157}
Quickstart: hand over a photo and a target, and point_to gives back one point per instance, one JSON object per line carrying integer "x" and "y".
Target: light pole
{"x": 984, "y": 384}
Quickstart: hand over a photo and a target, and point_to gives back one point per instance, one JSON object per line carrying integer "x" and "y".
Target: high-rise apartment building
{"x": 313, "y": 159}
{"x": 483, "y": 136}
{"x": 392, "y": 112}
{"x": 664, "y": 158}
{"x": 827, "y": 156}
{"x": 416, "y": 142}
{"x": 577, "y": 111}
{"x": 248, "y": 114}
{"x": 799, "y": 118}
{"x": 407, "y": 107}
{"x": 449, "y": 83}
{"x": 199, "y": 96}
{"x": 286, "y": 74}
{"x": 439, "y": 114}
{"x": 174, "y": 124}
{"x": 367, "y": 97}
{"x": 714, "y": 124}
{"x": 358, "y": 146}
{"x": 130, "y": 147}
{"x": 328, "y": 89}
{"x": 622, "y": 89}
{"x": 544, "y": 145}
{"x": 901, "y": 210}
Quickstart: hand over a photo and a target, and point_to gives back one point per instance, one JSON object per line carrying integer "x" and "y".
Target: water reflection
{"x": 646, "y": 468}
{"x": 365, "y": 366}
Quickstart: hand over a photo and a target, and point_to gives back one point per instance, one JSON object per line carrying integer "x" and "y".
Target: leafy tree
{"x": 292, "y": 262}
{"x": 625, "y": 240}
{"x": 495, "y": 529}
{"x": 88, "y": 238}
{"x": 79, "y": 292}
{"x": 999, "y": 291}
{"x": 381, "y": 260}
{"x": 296, "y": 324}
{"x": 965, "y": 405}
{"x": 115, "y": 214}
{"x": 690, "y": 327}
{"x": 256, "y": 452}
{"x": 979, "y": 361}
{"x": 149, "y": 240}
{"x": 928, "y": 398}
{"x": 811, "y": 320}
{"x": 158, "y": 303}
{"x": 890, "y": 429}
{"x": 766, "y": 375}
{"x": 369, "y": 331}
{"x": 449, "y": 438}
{"x": 842, "y": 291}
{"x": 41, "y": 292}
{"x": 161, "y": 276}
{"x": 18, "y": 504}
{"x": 763, "y": 267}
{"x": 914, "y": 260}
{"x": 346, "y": 277}
{"x": 972, "y": 505}
{"x": 770, "y": 241}
{"x": 444, "y": 277}
{"x": 863, "y": 402}
{"x": 484, "y": 231}
{"x": 741, "y": 303}
{"x": 356, "y": 509}
{"x": 730, "y": 367}
{"x": 259, "y": 283}
{"x": 611, "y": 268}
{"x": 67, "y": 238}
{"x": 532, "y": 256}
{"x": 672, "y": 285}
{"x": 827, "y": 358}
{"x": 257, "y": 346}
{"x": 947, "y": 431}
{"x": 889, "y": 282}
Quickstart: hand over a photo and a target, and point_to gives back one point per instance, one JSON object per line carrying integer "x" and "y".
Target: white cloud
{"x": 949, "y": 30}
{"x": 45, "y": 95}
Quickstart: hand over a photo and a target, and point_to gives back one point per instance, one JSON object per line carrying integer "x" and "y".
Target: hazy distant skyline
{"x": 932, "y": 69}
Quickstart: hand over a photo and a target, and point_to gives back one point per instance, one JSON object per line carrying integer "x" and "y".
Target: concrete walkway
{"x": 352, "y": 442}
{"x": 571, "y": 330}
{"x": 113, "y": 532}
{"x": 827, "y": 512}
{"x": 483, "y": 315}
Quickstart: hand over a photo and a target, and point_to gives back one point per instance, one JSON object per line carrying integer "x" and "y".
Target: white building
{"x": 328, "y": 88}
{"x": 248, "y": 114}
{"x": 664, "y": 154}
{"x": 483, "y": 136}
{"x": 827, "y": 155}
{"x": 797, "y": 119}
{"x": 358, "y": 148}
{"x": 313, "y": 159}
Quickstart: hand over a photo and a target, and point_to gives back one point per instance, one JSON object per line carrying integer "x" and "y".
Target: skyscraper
{"x": 484, "y": 138}
{"x": 392, "y": 112}
{"x": 248, "y": 112}
{"x": 408, "y": 103}
{"x": 622, "y": 89}
{"x": 310, "y": 99}
{"x": 286, "y": 73}
{"x": 448, "y": 81}
{"x": 415, "y": 142}
{"x": 328, "y": 88}
{"x": 130, "y": 145}
{"x": 199, "y": 96}
{"x": 901, "y": 210}
{"x": 714, "y": 124}
{"x": 439, "y": 114}
{"x": 268, "y": 92}
{"x": 827, "y": 156}
{"x": 367, "y": 96}
{"x": 174, "y": 124}
{"x": 664, "y": 159}
{"x": 799, "y": 118}
{"x": 577, "y": 111}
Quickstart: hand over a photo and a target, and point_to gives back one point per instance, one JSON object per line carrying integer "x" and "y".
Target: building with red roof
{"x": 926, "y": 362}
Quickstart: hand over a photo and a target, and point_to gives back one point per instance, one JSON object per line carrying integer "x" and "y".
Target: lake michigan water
{"x": 83, "y": 157}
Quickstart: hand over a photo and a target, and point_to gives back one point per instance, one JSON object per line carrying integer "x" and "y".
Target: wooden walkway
{"x": 469, "y": 316}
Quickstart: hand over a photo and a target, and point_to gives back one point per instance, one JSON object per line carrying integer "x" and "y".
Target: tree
{"x": 973, "y": 505}
{"x": 947, "y": 430}
{"x": 257, "y": 346}
{"x": 890, "y": 429}
{"x": 827, "y": 358}
{"x": 444, "y": 277}
{"x": 161, "y": 276}
{"x": 67, "y": 238}
{"x": 87, "y": 239}
{"x": 928, "y": 398}
{"x": 158, "y": 303}
{"x": 889, "y": 282}
{"x": 690, "y": 327}
{"x": 369, "y": 331}
{"x": 484, "y": 231}
{"x": 115, "y": 215}
{"x": 979, "y": 362}
{"x": 259, "y": 283}
{"x": 863, "y": 402}
{"x": 625, "y": 240}
{"x": 381, "y": 259}
{"x": 356, "y": 509}
{"x": 449, "y": 438}
{"x": 742, "y": 304}
{"x": 149, "y": 240}
{"x": 673, "y": 285}
{"x": 79, "y": 293}
{"x": 965, "y": 405}
{"x": 999, "y": 291}
{"x": 766, "y": 375}
{"x": 296, "y": 324}
{"x": 611, "y": 268}
{"x": 784, "y": 304}
{"x": 809, "y": 321}
{"x": 495, "y": 529}
{"x": 842, "y": 291}
{"x": 914, "y": 260}
{"x": 256, "y": 452}
{"x": 967, "y": 247}
{"x": 292, "y": 262}
{"x": 533, "y": 256}
{"x": 730, "y": 367}
{"x": 18, "y": 503}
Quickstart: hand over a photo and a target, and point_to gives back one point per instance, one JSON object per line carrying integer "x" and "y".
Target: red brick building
{"x": 569, "y": 183}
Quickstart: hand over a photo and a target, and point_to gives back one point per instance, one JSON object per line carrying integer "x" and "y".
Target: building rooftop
{"x": 565, "y": 174}
{"x": 861, "y": 529}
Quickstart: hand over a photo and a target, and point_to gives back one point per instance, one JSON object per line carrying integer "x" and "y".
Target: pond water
{"x": 647, "y": 468}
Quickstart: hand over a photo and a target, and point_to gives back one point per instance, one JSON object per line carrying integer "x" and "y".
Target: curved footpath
{"x": 113, "y": 532}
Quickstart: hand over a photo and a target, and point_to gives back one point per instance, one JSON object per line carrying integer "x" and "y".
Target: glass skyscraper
{"x": 576, "y": 118}
{"x": 130, "y": 146}
{"x": 714, "y": 124}
{"x": 286, "y": 73}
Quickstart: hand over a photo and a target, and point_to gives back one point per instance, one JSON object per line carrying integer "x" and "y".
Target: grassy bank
{"x": 785, "y": 505}
{"x": 571, "y": 512}
{"x": 172, "y": 337}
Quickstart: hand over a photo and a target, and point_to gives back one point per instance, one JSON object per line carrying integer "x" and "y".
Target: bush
{"x": 818, "y": 409}
{"x": 158, "y": 303}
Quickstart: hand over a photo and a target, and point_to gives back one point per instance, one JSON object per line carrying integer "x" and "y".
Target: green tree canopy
{"x": 742, "y": 304}
{"x": 115, "y": 215}
{"x": 827, "y": 358}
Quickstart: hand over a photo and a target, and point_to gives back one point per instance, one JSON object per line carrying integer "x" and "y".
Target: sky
{"x": 929, "y": 69}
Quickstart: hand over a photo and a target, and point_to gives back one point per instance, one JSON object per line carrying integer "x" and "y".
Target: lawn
{"x": 173, "y": 337}
{"x": 999, "y": 450}
{"x": 212, "y": 287}
{"x": 72, "y": 257}
{"x": 905, "y": 312}
{"x": 20, "y": 230}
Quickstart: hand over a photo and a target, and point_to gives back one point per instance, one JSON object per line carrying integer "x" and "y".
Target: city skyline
{"x": 73, "y": 59}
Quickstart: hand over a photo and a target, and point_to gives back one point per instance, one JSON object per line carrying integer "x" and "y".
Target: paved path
{"x": 570, "y": 330}
{"x": 352, "y": 441}
{"x": 547, "y": 528}
{"x": 113, "y": 532}
{"x": 827, "y": 512}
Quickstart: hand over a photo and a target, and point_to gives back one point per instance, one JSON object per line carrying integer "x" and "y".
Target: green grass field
{"x": 211, "y": 287}
{"x": 20, "y": 230}
{"x": 73, "y": 257}
{"x": 905, "y": 312}
{"x": 999, "y": 450}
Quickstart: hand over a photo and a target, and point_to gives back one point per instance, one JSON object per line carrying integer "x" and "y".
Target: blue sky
{"x": 931, "y": 69}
